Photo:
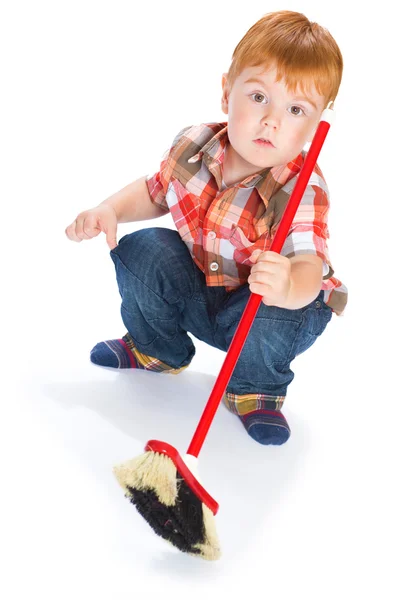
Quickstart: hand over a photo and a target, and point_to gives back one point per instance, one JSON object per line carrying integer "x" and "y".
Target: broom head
{"x": 170, "y": 498}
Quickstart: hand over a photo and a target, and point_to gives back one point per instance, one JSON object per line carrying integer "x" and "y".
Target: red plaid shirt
{"x": 222, "y": 226}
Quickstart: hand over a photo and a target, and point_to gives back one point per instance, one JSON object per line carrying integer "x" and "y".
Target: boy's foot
{"x": 261, "y": 416}
{"x": 122, "y": 354}
{"x": 114, "y": 353}
{"x": 267, "y": 427}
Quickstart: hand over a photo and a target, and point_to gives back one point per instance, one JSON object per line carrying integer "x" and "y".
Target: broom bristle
{"x": 142, "y": 472}
{"x": 209, "y": 549}
{"x": 168, "y": 504}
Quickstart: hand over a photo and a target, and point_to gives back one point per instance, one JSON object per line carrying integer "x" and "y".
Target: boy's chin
{"x": 256, "y": 162}
{"x": 259, "y": 165}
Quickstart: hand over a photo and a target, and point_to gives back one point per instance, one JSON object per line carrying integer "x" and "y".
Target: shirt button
{"x": 214, "y": 266}
{"x": 318, "y": 304}
{"x": 211, "y": 235}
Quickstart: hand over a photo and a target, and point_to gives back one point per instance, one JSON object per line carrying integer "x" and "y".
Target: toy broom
{"x": 165, "y": 487}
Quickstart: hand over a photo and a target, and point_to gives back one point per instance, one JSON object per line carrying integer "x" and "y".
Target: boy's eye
{"x": 299, "y": 109}
{"x": 257, "y": 95}
{"x": 261, "y": 99}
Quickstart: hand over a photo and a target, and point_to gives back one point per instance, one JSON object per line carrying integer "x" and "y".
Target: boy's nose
{"x": 270, "y": 118}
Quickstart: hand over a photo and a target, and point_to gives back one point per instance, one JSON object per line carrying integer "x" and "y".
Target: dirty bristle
{"x": 180, "y": 524}
{"x": 163, "y": 498}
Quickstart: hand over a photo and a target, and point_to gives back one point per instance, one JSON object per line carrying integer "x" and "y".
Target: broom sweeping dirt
{"x": 165, "y": 487}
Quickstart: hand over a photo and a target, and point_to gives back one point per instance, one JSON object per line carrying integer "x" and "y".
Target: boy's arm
{"x": 133, "y": 203}
{"x": 306, "y": 280}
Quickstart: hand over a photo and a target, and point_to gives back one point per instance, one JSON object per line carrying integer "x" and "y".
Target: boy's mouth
{"x": 264, "y": 142}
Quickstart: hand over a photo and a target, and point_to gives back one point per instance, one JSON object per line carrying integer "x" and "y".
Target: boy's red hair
{"x": 304, "y": 53}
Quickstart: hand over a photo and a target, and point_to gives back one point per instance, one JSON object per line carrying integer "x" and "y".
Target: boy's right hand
{"x": 90, "y": 223}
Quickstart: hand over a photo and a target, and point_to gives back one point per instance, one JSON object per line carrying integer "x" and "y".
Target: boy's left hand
{"x": 270, "y": 277}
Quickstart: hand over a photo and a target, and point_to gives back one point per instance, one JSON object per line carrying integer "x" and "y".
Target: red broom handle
{"x": 254, "y": 301}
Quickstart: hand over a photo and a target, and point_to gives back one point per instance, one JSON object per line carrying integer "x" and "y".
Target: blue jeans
{"x": 164, "y": 296}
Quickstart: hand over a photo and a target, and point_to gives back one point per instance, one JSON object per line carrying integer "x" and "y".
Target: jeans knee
{"x": 152, "y": 244}
{"x": 134, "y": 249}
{"x": 130, "y": 244}
{"x": 159, "y": 259}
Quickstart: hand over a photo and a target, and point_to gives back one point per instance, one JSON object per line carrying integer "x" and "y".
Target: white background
{"x": 92, "y": 95}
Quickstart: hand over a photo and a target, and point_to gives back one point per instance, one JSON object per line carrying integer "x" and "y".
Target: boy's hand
{"x": 270, "y": 277}
{"x": 90, "y": 223}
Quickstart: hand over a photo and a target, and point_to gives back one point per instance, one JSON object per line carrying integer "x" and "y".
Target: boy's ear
{"x": 224, "y": 98}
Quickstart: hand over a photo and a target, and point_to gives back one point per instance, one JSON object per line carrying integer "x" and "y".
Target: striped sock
{"x": 267, "y": 427}
{"x": 114, "y": 353}
{"x": 122, "y": 354}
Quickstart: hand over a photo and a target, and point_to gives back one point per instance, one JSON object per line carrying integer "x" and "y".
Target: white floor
{"x": 313, "y": 517}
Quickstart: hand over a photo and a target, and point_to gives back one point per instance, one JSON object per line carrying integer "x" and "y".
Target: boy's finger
{"x": 70, "y": 232}
{"x": 79, "y": 230}
{"x": 255, "y": 254}
{"x": 111, "y": 238}
{"x": 90, "y": 228}
{"x": 112, "y": 244}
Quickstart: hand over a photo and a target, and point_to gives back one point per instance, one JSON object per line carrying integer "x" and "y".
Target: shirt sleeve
{"x": 159, "y": 182}
{"x": 309, "y": 232}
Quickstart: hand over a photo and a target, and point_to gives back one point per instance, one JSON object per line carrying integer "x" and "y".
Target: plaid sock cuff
{"x": 243, "y": 404}
{"x": 149, "y": 362}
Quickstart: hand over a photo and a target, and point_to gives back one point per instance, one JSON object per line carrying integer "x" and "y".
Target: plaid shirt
{"x": 222, "y": 226}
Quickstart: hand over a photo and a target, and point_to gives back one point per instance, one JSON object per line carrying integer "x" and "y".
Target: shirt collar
{"x": 213, "y": 150}
{"x": 267, "y": 182}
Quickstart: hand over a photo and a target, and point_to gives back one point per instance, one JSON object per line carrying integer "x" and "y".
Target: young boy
{"x": 226, "y": 186}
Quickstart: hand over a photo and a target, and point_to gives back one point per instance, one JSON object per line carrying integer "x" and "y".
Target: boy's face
{"x": 265, "y": 109}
